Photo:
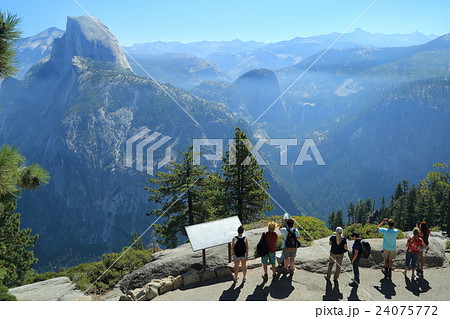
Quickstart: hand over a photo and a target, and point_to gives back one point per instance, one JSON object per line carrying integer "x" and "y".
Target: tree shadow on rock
{"x": 387, "y": 288}
{"x": 260, "y": 293}
{"x": 232, "y": 293}
{"x": 281, "y": 288}
{"x": 332, "y": 293}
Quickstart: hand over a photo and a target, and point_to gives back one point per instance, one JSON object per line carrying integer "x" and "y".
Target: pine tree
{"x": 351, "y": 213}
{"x": 332, "y": 220}
{"x": 244, "y": 188}
{"x": 181, "y": 191}
{"x": 339, "y": 219}
{"x": 16, "y": 258}
{"x": 8, "y": 35}
{"x": 136, "y": 242}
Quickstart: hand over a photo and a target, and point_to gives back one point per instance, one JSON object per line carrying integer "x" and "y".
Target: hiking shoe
{"x": 244, "y": 279}
{"x": 265, "y": 276}
{"x": 413, "y": 276}
{"x": 353, "y": 284}
{"x": 235, "y": 279}
{"x": 327, "y": 278}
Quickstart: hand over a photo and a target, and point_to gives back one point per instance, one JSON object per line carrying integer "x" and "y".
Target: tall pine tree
{"x": 244, "y": 189}
{"x": 16, "y": 258}
{"x": 181, "y": 191}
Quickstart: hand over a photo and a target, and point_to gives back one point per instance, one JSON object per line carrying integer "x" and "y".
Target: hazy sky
{"x": 135, "y": 21}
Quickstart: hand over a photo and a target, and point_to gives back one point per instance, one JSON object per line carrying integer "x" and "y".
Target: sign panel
{"x": 210, "y": 234}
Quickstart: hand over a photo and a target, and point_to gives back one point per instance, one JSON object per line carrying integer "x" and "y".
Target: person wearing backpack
{"x": 339, "y": 246}
{"x": 289, "y": 245}
{"x": 270, "y": 238}
{"x": 239, "y": 247}
{"x": 389, "y": 246}
{"x": 355, "y": 256}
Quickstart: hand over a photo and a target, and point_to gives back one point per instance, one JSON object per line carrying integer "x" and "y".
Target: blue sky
{"x": 135, "y": 21}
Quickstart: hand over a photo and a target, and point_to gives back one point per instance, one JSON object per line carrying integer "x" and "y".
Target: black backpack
{"x": 239, "y": 247}
{"x": 262, "y": 248}
{"x": 365, "y": 249}
{"x": 291, "y": 240}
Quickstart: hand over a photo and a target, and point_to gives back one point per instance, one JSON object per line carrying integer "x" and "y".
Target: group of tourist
{"x": 416, "y": 245}
{"x": 290, "y": 243}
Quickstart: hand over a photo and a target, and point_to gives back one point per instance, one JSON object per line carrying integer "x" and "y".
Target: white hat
{"x": 339, "y": 230}
{"x": 286, "y": 216}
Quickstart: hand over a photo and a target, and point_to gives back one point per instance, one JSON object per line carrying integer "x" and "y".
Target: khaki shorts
{"x": 389, "y": 254}
{"x": 289, "y": 252}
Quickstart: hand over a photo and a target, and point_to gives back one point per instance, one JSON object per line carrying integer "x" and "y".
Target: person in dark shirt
{"x": 338, "y": 245}
{"x": 355, "y": 257}
{"x": 271, "y": 238}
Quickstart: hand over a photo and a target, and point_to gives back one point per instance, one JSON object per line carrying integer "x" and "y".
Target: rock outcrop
{"x": 183, "y": 260}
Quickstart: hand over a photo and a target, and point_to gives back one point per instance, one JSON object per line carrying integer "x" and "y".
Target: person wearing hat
{"x": 354, "y": 258}
{"x": 339, "y": 246}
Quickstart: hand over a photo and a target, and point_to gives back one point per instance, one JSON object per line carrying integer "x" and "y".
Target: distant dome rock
{"x": 87, "y": 37}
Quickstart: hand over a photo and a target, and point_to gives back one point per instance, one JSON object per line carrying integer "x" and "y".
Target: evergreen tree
{"x": 136, "y": 242}
{"x": 181, "y": 191}
{"x": 244, "y": 187}
{"x": 8, "y": 35}
{"x": 339, "y": 219}
{"x": 16, "y": 258}
{"x": 351, "y": 213}
{"x": 332, "y": 220}
{"x": 437, "y": 186}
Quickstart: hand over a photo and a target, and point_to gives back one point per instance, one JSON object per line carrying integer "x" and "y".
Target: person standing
{"x": 355, "y": 256}
{"x": 424, "y": 234}
{"x": 271, "y": 238}
{"x": 389, "y": 245}
{"x": 413, "y": 245}
{"x": 239, "y": 247}
{"x": 339, "y": 246}
{"x": 289, "y": 245}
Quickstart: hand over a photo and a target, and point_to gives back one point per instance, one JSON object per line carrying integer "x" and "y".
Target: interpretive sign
{"x": 210, "y": 234}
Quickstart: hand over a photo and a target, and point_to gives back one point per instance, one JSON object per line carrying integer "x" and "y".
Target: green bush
{"x": 84, "y": 275}
{"x": 368, "y": 231}
{"x": 4, "y": 295}
{"x": 436, "y": 228}
{"x": 447, "y": 244}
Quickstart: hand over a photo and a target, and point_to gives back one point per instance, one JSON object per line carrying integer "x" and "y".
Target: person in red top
{"x": 412, "y": 253}
{"x": 271, "y": 238}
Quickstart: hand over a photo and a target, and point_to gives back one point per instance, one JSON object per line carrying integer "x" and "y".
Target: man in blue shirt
{"x": 389, "y": 245}
{"x": 355, "y": 257}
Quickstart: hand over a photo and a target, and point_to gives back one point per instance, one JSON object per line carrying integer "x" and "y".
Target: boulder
{"x": 191, "y": 277}
{"x": 207, "y": 275}
{"x": 223, "y": 271}
{"x": 151, "y": 291}
{"x": 181, "y": 260}
{"x": 51, "y": 290}
{"x": 166, "y": 285}
{"x": 137, "y": 294}
{"x": 177, "y": 282}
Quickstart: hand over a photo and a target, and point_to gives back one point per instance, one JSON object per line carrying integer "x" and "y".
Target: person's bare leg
{"x": 244, "y": 268}
{"x": 236, "y": 268}
{"x": 265, "y": 269}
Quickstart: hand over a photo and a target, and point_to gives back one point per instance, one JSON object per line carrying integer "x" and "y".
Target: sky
{"x": 135, "y": 21}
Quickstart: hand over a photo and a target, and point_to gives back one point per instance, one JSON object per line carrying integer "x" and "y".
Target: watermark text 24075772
{"x": 143, "y": 145}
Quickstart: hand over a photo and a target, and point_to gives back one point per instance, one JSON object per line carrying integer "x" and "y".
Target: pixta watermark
{"x": 142, "y": 148}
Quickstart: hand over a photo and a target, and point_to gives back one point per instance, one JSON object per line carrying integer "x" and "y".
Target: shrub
{"x": 447, "y": 244}
{"x": 368, "y": 231}
{"x": 83, "y": 275}
{"x": 4, "y": 295}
